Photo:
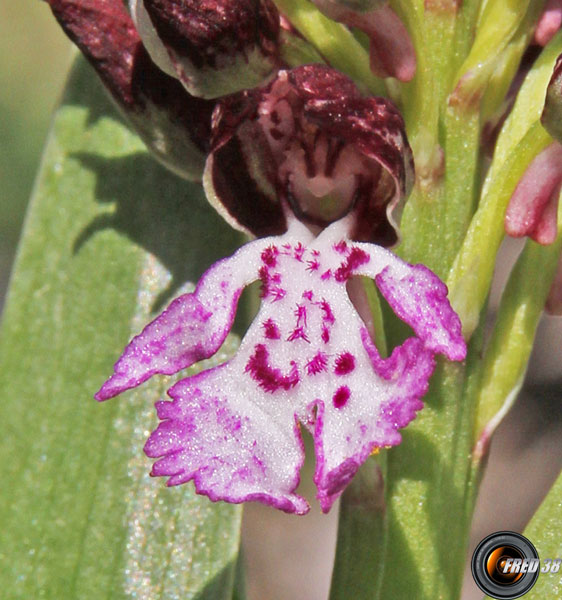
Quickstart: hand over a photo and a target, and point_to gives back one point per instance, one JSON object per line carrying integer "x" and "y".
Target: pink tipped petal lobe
{"x": 217, "y": 435}
{"x": 192, "y": 328}
{"x": 397, "y": 383}
{"x": 419, "y": 298}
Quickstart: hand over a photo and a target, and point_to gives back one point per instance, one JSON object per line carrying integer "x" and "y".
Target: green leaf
{"x": 544, "y": 532}
{"x": 506, "y": 357}
{"x": 109, "y": 239}
{"x": 526, "y": 110}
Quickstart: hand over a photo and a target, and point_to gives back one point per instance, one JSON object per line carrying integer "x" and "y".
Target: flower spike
{"x": 306, "y": 359}
{"x": 174, "y": 125}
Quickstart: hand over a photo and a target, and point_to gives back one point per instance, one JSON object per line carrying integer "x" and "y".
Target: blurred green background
{"x": 34, "y": 59}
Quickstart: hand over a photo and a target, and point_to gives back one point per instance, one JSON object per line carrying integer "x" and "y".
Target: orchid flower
{"x": 307, "y": 359}
{"x": 325, "y": 170}
{"x": 299, "y": 121}
{"x": 340, "y": 163}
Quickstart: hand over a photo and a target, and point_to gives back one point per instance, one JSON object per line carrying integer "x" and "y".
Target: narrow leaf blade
{"x": 110, "y": 238}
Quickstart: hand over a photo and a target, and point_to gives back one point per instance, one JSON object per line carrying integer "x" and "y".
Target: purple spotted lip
{"x": 307, "y": 360}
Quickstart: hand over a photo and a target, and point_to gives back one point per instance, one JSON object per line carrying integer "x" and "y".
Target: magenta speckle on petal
{"x": 269, "y": 256}
{"x": 344, "y": 364}
{"x": 299, "y": 251}
{"x": 340, "y": 247}
{"x": 317, "y": 364}
{"x": 271, "y": 330}
{"x": 298, "y": 334}
{"x": 341, "y": 396}
{"x": 328, "y": 314}
{"x": 356, "y": 258}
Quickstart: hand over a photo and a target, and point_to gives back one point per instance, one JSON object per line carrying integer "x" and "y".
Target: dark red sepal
{"x": 173, "y": 124}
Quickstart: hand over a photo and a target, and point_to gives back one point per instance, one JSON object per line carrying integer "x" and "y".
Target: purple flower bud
{"x": 309, "y": 142}
{"x": 551, "y": 117}
{"x": 173, "y": 124}
{"x": 392, "y": 53}
{"x": 549, "y": 22}
{"x": 213, "y": 47}
{"x": 533, "y": 208}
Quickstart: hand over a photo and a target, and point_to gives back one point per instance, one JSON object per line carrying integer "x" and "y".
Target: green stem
{"x": 462, "y": 127}
{"x": 361, "y": 533}
{"x": 362, "y": 517}
{"x": 445, "y": 140}
{"x": 426, "y": 495}
{"x": 465, "y": 25}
